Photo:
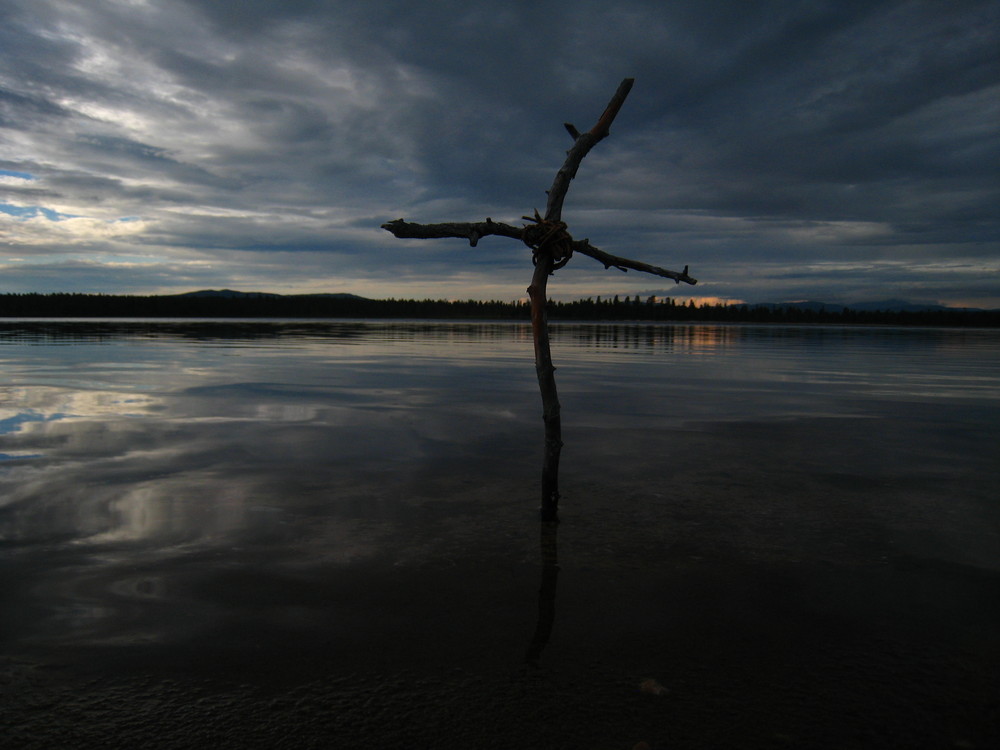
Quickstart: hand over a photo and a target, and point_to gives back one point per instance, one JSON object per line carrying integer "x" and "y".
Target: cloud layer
{"x": 785, "y": 150}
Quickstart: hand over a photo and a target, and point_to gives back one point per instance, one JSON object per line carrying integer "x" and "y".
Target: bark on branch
{"x": 545, "y": 373}
{"x": 583, "y": 142}
{"x": 623, "y": 264}
{"x": 472, "y": 231}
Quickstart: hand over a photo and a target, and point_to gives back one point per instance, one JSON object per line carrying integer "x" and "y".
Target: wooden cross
{"x": 552, "y": 246}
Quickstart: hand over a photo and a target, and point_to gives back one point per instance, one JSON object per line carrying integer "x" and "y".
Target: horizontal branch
{"x": 472, "y": 231}
{"x": 623, "y": 264}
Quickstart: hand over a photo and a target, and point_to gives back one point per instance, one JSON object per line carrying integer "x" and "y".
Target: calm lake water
{"x": 318, "y": 534}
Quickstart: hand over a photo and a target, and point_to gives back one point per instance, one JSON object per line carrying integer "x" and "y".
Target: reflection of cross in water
{"x": 546, "y": 594}
{"x": 552, "y": 246}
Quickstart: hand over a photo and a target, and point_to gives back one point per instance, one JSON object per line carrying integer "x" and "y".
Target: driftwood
{"x": 552, "y": 247}
{"x": 475, "y": 231}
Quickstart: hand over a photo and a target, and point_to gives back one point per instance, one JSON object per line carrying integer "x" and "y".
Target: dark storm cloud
{"x": 801, "y": 140}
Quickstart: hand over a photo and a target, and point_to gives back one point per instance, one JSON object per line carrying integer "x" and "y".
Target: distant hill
{"x": 897, "y": 305}
{"x": 888, "y": 305}
{"x": 225, "y": 294}
{"x": 233, "y": 294}
{"x": 801, "y": 305}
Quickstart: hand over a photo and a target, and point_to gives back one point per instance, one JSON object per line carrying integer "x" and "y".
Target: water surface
{"x": 319, "y": 533}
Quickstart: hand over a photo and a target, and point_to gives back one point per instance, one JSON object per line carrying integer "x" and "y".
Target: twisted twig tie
{"x": 548, "y": 237}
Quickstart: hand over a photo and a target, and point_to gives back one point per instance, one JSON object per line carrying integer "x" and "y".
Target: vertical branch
{"x": 547, "y": 385}
{"x": 552, "y": 246}
{"x": 544, "y": 265}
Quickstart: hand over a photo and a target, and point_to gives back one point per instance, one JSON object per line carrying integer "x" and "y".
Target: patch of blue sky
{"x": 13, "y": 424}
{"x": 55, "y": 258}
{"x": 118, "y": 259}
{"x": 81, "y": 259}
{"x": 31, "y": 212}
{"x": 19, "y": 175}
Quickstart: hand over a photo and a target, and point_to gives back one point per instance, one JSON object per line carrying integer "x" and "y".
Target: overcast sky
{"x": 784, "y": 149}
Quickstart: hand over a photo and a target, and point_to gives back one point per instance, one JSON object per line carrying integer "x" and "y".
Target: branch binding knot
{"x": 550, "y": 237}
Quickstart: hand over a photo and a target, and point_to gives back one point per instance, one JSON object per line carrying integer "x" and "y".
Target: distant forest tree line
{"x": 349, "y": 306}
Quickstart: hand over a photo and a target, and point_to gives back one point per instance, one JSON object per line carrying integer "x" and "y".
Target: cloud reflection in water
{"x": 149, "y": 462}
